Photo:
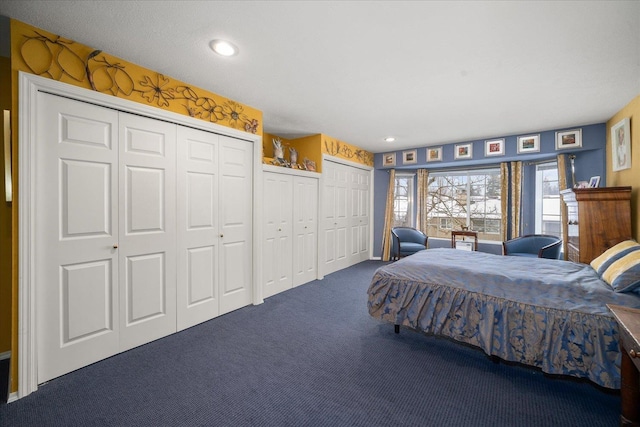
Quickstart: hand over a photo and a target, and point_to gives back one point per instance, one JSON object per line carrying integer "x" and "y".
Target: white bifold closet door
{"x": 277, "y": 245}
{"x": 76, "y": 219}
{"x": 105, "y": 266}
{"x": 345, "y": 216}
{"x": 214, "y": 225}
{"x": 198, "y": 227}
{"x": 147, "y": 242}
{"x": 142, "y": 228}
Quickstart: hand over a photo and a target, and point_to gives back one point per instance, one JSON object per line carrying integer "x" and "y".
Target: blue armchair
{"x": 533, "y": 245}
{"x": 407, "y": 241}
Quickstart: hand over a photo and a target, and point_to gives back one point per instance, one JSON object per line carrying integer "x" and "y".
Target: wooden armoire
{"x": 598, "y": 218}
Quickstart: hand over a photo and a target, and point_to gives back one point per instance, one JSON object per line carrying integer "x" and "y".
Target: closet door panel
{"x": 236, "y": 195}
{"x": 75, "y": 230}
{"x": 277, "y": 229}
{"x": 335, "y": 220}
{"x": 147, "y": 243}
{"x": 197, "y": 216}
{"x": 305, "y": 217}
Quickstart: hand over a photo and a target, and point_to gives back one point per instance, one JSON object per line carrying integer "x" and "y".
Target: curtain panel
{"x": 562, "y": 185}
{"x": 516, "y": 198}
{"x": 388, "y": 217}
{"x": 504, "y": 200}
{"x": 422, "y": 192}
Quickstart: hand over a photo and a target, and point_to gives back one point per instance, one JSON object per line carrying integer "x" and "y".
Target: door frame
{"x": 29, "y": 86}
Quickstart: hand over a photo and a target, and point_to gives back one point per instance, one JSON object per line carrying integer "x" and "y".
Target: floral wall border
{"x": 38, "y": 52}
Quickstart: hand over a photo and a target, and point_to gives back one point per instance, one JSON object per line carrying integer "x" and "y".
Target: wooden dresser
{"x": 598, "y": 218}
{"x": 629, "y": 327}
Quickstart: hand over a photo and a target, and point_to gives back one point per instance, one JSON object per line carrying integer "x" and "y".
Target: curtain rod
{"x": 451, "y": 169}
{"x": 539, "y": 162}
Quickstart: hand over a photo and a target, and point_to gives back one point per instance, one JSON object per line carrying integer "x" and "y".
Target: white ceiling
{"x": 425, "y": 72}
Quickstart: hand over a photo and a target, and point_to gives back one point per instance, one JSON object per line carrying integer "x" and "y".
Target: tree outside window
{"x": 465, "y": 199}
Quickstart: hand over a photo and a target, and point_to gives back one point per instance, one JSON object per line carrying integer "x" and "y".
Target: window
{"x": 403, "y": 202}
{"x": 465, "y": 199}
{"x": 548, "y": 200}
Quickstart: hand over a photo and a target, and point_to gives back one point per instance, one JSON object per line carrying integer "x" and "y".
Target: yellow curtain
{"x": 423, "y": 189}
{"x": 516, "y": 194}
{"x": 562, "y": 185}
{"x": 504, "y": 200}
{"x": 388, "y": 217}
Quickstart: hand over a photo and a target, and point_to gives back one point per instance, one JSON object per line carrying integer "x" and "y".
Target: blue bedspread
{"x": 545, "y": 313}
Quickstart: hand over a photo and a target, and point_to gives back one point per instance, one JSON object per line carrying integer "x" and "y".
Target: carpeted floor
{"x": 310, "y": 356}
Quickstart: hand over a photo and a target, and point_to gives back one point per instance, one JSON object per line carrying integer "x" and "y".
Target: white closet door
{"x": 359, "y": 215}
{"x": 236, "y": 209}
{"x": 197, "y": 215}
{"x": 76, "y": 228}
{"x": 147, "y": 243}
{"x": 335, "y": 218}
{"x": 277, "y": 248}
{"x": 305, "y": 218}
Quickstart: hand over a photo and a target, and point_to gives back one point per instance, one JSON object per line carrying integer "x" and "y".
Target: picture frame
{"x": 389, "y": 159}
{"x": 494, "y": 147}
{"x": 409, "y": 157}
{"x": 569, "y": 139}
{"x": 463, "y": 151}
{"x": 594, "y": 182}
{"x": 434, "y": 154}
{"x": 529, "y": 144}
{"x": 621, "y": 145}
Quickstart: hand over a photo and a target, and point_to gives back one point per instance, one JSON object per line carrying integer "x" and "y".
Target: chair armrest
{"x": 550, "y": 249}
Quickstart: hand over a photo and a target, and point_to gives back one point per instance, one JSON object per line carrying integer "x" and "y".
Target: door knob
{"x": 221, "y": 235}
{"x": 115, "y": 246}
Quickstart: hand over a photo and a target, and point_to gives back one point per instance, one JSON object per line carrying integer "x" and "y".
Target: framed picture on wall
{"x": 569, "y": 139}
{"x": 463, "y": 151}
{"x": 409, "y": 157}
{"x": 528, "y": 144}
{"x": 434, "y": 154}
{"x": 389, "y": 159}
{"x": 494, "y": 147}
{"x": 621, "y": 145}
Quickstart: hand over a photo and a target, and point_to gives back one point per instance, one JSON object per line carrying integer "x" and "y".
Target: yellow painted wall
{"x": 343, "y": 150}
{"x": 5, "y": 219}
{"x": 631, "y": 176}
{"x": 39, "y": 52}
{"x": 309, "y": 147}
{"x": 314, "y": 146}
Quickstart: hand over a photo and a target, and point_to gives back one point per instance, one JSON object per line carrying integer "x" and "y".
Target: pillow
{"x": 623, "y": 275}
{"x": 614, "y": 253}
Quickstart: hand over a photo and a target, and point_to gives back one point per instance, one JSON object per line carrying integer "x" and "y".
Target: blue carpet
{"x": 311, "y": 356}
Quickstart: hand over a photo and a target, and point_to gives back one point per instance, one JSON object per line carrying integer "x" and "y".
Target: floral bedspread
{"x": 545, "y": 313}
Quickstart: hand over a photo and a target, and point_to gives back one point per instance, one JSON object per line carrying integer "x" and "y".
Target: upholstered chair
{"x": 407, "y": 241}
{"x": 533, "y": 245}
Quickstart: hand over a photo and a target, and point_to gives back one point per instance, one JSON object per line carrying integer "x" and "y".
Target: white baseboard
{"x": 13, "y": 397}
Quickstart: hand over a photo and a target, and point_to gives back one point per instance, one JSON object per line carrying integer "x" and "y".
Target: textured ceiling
{"x": 425, "y": 72}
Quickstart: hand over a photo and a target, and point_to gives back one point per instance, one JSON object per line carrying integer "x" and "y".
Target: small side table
{"x": 464, "y": 234}
{"x": 629, "y": 324}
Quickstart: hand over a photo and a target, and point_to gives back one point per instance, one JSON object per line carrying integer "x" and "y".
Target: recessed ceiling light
{"x": 223, "y": 47}
{"x": 389, "y": 139}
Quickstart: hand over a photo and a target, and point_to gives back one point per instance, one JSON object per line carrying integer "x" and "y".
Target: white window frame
{"x": 539, "y": 196}
{"x": 468, "y": 172}
{"x": 410, "y": 198}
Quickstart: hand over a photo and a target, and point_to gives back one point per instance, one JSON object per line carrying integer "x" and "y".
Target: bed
{"x": 544, "y": 313}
